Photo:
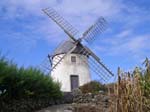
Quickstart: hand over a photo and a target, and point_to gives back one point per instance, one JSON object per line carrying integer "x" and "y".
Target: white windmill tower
{"x": 71, "y": 61}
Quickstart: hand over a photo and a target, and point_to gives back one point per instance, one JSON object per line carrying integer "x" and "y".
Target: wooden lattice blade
{"x": 96, "y": 29}
{"x": 59, "y": 20}
{"x": 45, "y": 66}
{"x": 60, "y": 59}
{"x": 96, "y": 65}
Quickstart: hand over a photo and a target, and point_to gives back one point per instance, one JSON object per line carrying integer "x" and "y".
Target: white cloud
{"x": 124, "y": 33}
{"x": 24, "y": 7}
{"x": 76, "y": 11}
{"x": 81, "y": 13}
{"x": 130, "y": 45}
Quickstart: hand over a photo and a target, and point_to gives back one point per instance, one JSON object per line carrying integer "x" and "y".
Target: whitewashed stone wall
{"x": 66, "y": 68}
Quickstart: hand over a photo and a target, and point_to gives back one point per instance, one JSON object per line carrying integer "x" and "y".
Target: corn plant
{"x": 132, "y": 91}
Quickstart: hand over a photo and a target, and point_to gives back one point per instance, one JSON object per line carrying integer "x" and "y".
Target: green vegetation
{"x": 145, "y": 79}
{"x": 93, "y": 87}
{"x": 21, "y": 86}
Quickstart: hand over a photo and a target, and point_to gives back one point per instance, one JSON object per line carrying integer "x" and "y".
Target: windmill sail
{"x": 48, "y": 65}
{"x": 65, "y": 25}
{"x": 94, "y": 30}
{"x": 60, "y": 58}
{"x": 98, "y": 60}
{"x": 96, "y": 65}
{"x": 45, "y": 66}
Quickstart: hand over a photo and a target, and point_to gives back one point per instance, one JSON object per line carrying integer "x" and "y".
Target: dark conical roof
{"x": 66, "y": 46}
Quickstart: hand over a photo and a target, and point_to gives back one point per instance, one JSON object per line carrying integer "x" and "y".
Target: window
{"x": 73, "y": 59}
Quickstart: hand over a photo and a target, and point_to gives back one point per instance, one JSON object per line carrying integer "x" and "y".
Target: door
{"x": 74, "y": 81}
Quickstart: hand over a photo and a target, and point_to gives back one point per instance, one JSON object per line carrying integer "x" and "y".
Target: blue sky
{"x": 27, "y": 35}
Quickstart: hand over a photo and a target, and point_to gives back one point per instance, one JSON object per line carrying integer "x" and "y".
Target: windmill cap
{"x": 66, "y": 46}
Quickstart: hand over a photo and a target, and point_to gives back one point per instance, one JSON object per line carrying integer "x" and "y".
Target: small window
{"x": 73, "y": 59}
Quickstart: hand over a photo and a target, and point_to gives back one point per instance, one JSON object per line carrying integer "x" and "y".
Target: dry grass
{"x": 129, "y": 94}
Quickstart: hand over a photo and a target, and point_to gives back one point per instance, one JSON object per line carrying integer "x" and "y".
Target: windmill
{"x": 71, "y": 61}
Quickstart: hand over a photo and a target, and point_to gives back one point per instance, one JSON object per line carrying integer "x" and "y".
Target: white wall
{"x": 66, "y": 68}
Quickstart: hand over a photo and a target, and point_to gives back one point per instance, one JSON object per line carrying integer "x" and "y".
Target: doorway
{"x": 74, "y": 81}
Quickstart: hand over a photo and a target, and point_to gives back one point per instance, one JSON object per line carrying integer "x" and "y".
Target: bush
{"x": 27, "y": 84}
{"x": 93, "y": 87}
